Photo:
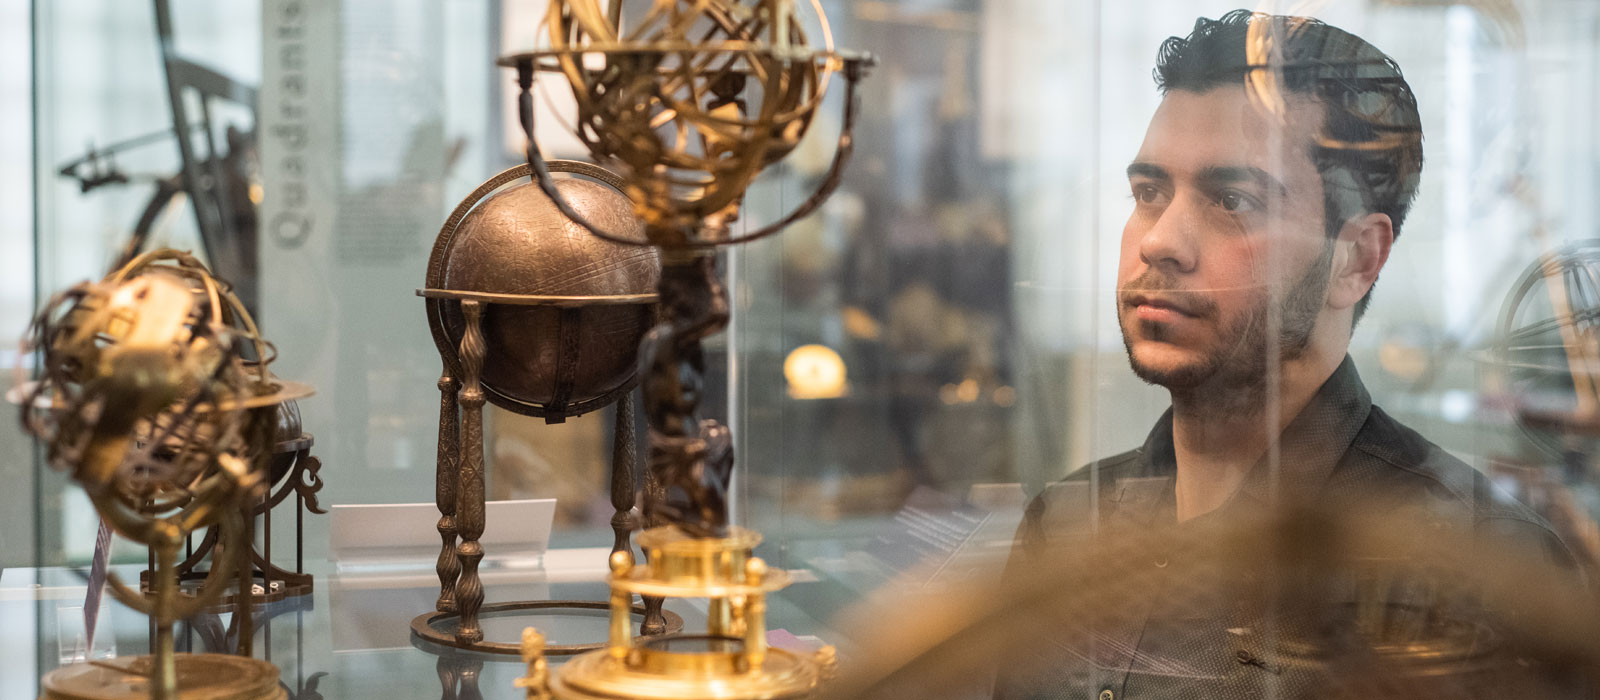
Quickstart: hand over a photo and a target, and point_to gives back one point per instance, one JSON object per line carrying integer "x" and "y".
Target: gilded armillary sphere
{"x": 149, "y": 378}
{"x": 691, "y": 102}
{"x": 154, "y": 394}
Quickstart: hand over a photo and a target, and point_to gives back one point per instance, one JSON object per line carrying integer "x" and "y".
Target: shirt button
{"x": 1107, "y": 695}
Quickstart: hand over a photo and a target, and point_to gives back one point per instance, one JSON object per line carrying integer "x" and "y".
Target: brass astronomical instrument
{"x": 731, "y": 659}
{"x": 154, "y": 394}
{"x": 690, "y": 102}
{"x": 687, "y": 102}
{"x": 535, "y": 316}
{"x": 1548, "y": 346}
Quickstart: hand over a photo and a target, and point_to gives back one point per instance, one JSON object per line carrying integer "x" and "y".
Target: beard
{"x": 1238, "y": 365}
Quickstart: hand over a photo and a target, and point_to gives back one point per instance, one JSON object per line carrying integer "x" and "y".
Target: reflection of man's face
{"x": 1226, "y": 245}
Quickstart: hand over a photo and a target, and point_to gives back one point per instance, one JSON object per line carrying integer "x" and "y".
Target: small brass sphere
{"x": 621, "y": 562}
{"x": 755, "y": 570}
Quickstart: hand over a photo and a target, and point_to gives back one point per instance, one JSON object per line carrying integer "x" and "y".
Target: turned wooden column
{"x": 624, "y": 457}
{"x": 624, "y": 461}
{"x": 445, "y": 476}
{"x": 470, "y": 494}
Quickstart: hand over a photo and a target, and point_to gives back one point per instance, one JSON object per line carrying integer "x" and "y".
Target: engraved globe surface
{"x": 516, "y": 242}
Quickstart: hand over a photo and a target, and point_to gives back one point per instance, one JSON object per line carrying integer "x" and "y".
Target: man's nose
{"x": 1170, "y": 242}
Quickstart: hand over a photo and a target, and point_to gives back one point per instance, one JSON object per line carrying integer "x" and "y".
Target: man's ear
{"x": 1359, "y": 255}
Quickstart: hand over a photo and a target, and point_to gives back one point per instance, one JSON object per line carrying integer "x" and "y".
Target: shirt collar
{"x": 1314, "y": 442}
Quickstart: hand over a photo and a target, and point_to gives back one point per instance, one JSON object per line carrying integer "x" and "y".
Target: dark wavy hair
{"x": 1369, "y": 147}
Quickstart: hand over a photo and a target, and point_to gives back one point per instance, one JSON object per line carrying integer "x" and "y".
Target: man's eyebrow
{"x": 1149, "y": 170}
{"x": 1225, "y": 175}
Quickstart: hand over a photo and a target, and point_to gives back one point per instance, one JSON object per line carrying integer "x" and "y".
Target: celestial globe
{"x": 571, "y": 352}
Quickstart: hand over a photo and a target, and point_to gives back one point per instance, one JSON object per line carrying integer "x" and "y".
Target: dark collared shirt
{"x": 1340, "y": 451}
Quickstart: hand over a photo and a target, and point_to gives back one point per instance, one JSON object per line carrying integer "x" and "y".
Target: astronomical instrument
{"x": 534, "y": 315}
{"x": 154, "y": 394}
{"x": 1548, "y": 349}
{"x": 688, "y": 102}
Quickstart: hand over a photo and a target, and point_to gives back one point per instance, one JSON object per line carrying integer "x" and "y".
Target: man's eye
{"x": 1237, "y": 202}
{"x": 1147, "y": 194}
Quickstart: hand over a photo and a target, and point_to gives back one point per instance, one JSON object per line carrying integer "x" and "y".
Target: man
{"x": 1271, "y": 183}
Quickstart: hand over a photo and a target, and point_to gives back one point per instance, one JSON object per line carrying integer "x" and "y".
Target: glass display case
{"x": 904, "y": 371}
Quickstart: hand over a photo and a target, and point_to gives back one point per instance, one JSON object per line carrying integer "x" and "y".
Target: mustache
{"x": 1153, "y": 286}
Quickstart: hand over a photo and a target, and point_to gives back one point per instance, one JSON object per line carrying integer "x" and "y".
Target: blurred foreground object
{"x": 689, "y": 102}
{"x": 535, "y": 315}
{"x": 1299, "y": 603}
{"x": 154, "y": 394}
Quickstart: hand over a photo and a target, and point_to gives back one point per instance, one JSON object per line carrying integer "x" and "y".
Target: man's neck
{"x": 1218, "y": 434}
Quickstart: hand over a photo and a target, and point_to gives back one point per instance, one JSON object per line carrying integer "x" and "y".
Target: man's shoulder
{"x": 1122, "y": 465}
{"x": 1399, "y": 468}
{"x": 1389, "y": 457}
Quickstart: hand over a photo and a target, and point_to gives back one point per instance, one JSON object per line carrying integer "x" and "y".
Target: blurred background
{"x": 904, "y": 369}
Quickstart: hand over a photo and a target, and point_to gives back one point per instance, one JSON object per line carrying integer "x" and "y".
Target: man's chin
{"x": 1169, "y": 371}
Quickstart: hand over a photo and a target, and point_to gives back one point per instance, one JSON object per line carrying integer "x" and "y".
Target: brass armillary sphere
{"x": 154, "y": 395}
{"x": 688, "y": 101}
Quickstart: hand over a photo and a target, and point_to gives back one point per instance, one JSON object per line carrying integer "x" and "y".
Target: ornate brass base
{"x": 696, "y": 672}
{"x": 441, "y": 627}
{"x": 200, "y": 677}
{"x": 729, "y": 661}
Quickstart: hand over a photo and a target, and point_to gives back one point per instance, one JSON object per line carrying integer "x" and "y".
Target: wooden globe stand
{"x": 462, "y": 501}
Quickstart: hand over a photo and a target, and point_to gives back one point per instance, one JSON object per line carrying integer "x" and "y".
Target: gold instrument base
{"x": 600, "y": 676}
{"x": 200, "y": 677}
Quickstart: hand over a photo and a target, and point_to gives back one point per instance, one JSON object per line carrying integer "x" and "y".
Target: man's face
{"x": 1226, "y": 246}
